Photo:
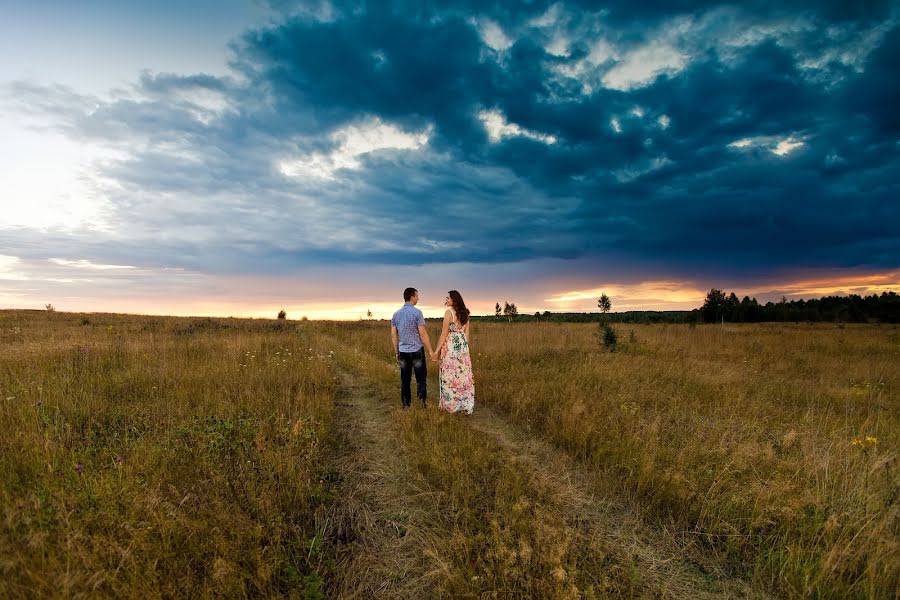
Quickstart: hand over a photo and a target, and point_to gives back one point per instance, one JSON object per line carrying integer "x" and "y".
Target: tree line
{"x": 720, "y": 307}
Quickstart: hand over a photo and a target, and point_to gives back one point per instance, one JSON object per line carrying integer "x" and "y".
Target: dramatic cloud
{"x": 686, "y": 140}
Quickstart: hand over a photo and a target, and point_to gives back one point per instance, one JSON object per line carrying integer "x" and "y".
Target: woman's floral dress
{"x": 457, "y": 383}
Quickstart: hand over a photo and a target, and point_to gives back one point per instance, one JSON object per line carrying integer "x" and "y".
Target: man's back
{"x": 407, "y": 321}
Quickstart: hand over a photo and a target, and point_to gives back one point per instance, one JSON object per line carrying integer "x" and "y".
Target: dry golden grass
{"x": 159, "y": 457}
{"x": 740, "y": 435}
{"x": 736, "y": 438}
{"x": 766, "y": 452}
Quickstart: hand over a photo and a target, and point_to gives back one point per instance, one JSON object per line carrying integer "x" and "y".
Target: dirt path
{"x": 380, "y": 506}
{"x": 667, "y": 569}
{"x": 381, "y": 517}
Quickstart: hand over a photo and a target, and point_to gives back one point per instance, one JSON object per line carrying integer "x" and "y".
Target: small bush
{"x": 85, "y": 321}
{"x": 49, "y": 308}
{"x": 282, "y": 315}
{"x": 609, "y": 339}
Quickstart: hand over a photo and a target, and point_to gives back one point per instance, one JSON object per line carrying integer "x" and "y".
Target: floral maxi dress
{"x": 457, "y": 383}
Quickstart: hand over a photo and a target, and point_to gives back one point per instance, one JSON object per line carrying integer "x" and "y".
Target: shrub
{"x": 609, "y": 339}
{"x": 282, "y": 314}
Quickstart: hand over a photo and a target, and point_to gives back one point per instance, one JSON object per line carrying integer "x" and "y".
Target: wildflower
{"x": 38, "y": 404}
{"x": 79, "y": 468}
{"x": 865, "y": 442}
{"x": 119, "y": 459}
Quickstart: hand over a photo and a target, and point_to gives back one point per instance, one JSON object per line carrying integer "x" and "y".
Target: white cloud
{"x": 781, "y": 146}
{"x": 550, "y": 17}
{"x": 9, "y": 268}
{"x": 664, "y": 121}
{"x": 353, "y": 142}
{"x": 204, "y": 104}
{"x": 48, "y": 179}
{"x": 615, "y": 124}
{"x": 642, "y": 65}
{"x": 558, "y": 46}
{"x": 493, "y": 35}
{"x": 786, "y": 146}
{"x": 86, "y": 264}
{"x": 498, "y": 128}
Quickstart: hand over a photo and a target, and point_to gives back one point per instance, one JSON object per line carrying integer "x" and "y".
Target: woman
{"x": 457, "y": 384}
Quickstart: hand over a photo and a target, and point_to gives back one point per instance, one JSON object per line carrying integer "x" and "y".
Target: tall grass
{"x": 742, "y": 436}
{"x": 495, "y": 530}
{"x": 190, "y": 457}
{"x": 160, "y": 457}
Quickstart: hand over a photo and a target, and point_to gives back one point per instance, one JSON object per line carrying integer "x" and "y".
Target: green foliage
{"x": 883, "y": 308}
{"x": 606, "y": 334}
{"x": 609, "y": 339}
{"x": 604, "y": 304}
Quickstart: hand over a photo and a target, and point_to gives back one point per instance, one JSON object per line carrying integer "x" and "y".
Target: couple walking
{"x": 410, "y": 339}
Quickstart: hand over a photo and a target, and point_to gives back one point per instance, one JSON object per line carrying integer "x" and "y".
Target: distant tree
{"x": 282, "y": 315}
{"x": 510, "y": 310}
{"x": 604, "y": 303}
{"x": 497, "y": 310}
{"x": 50, "y": 308}
{"x": 607, "y": 335}
{"x": 714, "y": 306}
{"x": 732, "y": 308}
{"x": 368, "y": 314}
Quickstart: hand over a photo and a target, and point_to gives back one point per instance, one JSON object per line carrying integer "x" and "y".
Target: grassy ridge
{"x": 160, "y": 457}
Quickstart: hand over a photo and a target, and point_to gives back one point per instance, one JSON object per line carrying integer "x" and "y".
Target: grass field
{"x": 166, "y": 457}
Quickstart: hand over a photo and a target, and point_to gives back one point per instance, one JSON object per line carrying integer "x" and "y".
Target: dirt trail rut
{"x": 668, "y": 569}
{"x": 380, "y": 506}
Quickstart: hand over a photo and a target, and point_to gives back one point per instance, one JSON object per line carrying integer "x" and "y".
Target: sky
{"x": 240, "y": 157}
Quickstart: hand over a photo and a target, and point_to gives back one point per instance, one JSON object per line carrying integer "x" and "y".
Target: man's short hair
{"x": 408, "y": 293}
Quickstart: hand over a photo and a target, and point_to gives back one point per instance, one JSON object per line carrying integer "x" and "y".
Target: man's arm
{"x": 423, "y": 333}
{"x": 395, "y": 342}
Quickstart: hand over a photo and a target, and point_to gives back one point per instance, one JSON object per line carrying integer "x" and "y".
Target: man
{"x": 408, "y": 334}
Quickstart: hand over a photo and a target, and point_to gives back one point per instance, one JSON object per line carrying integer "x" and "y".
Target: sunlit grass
{"x": 182, "y": 457}
{"x": 775, "y": 446}
{"x": 159, "y": 456}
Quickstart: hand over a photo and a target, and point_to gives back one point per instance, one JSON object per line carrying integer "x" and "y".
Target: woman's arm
{"x": 468, "y": 335}
{"x": 444, "y": 332}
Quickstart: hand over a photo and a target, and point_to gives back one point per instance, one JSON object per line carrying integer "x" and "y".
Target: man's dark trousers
{"x": 409, "y": 362}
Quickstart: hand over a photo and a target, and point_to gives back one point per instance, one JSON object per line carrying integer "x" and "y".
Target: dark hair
{"x": 462, "y": 313}
{"x": 409, "y": 293}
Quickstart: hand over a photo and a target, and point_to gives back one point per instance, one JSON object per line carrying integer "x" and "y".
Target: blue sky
{"x": 233, "y": 158}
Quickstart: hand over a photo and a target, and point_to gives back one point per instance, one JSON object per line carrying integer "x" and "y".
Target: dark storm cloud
{"x": 725, "y": 138}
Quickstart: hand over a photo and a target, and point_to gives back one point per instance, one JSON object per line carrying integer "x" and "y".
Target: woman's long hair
{"x": 462, "y": 313}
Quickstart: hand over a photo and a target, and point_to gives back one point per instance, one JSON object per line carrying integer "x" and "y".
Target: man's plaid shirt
{"x": 407, "y": 321}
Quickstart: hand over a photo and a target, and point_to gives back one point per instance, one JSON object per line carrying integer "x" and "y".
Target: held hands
{"x": 435, "y": 355}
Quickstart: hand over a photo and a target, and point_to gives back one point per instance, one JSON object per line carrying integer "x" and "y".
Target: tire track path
{"x": 667, "y": 569}
{"x": 381, "y": 506}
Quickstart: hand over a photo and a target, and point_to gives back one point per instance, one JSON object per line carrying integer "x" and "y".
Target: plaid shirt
{"x": 406, "y": 321}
